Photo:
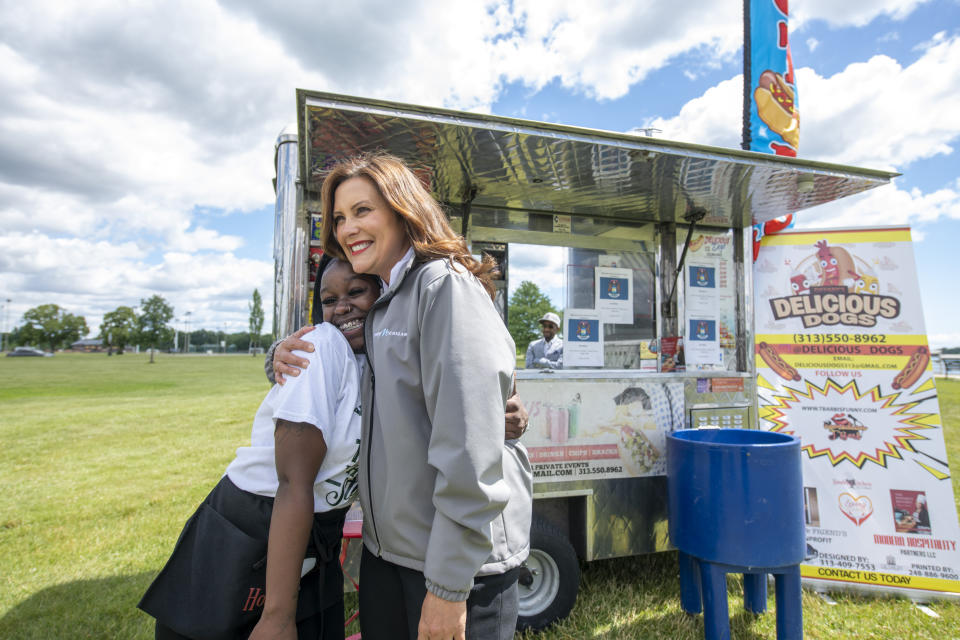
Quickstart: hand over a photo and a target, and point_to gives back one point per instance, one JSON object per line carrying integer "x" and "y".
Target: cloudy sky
{"x": 136, "y": 138}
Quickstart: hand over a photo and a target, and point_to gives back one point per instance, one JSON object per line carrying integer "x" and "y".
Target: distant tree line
{"x": 202, "y": 340}
{"x": 52, "y": 327}
{"x": 49, "y": 326}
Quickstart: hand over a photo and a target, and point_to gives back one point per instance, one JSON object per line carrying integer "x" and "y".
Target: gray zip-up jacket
{"x": 441, "y": 491}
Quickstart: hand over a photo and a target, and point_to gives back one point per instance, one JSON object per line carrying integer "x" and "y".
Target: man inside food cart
{"x": 547, "y": 352}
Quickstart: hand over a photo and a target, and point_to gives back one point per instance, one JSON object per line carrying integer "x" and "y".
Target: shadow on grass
{"x": 684, "y": 625}
{"x": 96, "y": 608}
{"x": 635, "y": 598}
{"x": 638, "y": 598}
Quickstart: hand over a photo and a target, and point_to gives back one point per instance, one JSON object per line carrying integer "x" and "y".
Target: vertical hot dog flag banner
{"x": 771, "y": 119}
{"x": 843, "y": 362}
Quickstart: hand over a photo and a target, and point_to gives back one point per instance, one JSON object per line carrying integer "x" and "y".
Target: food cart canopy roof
{"x": 506, "y": 163}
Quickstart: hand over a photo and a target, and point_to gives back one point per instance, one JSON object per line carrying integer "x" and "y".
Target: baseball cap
{"x": 550, "y": 316}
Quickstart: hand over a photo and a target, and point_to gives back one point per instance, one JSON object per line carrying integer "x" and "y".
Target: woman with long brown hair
{"x": 446, "y": 502}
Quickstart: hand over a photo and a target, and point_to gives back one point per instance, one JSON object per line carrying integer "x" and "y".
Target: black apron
{"x": 213, "y": 586}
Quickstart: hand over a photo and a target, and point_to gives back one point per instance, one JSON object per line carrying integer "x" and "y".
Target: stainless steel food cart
{"x": 669, "y": 222}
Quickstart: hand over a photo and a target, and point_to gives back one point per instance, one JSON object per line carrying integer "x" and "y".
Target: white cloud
{"x": 431, "y": 52}
{"x": 602, "y": 48}
{"x": 713, "y": 118}
{"x": 881, "y": 114}
{"x": 119, "y": 121}
{"x": 943, "y": 340}
{"x": 886, "y": 206}
{"x": 812, "y": 44}
{"x": 855, "y": 14}
{"x": 116, "y": 124}
{"x": 157, "y": 104}
{"x": 90, "y": 278}
{"x": 876, "y": 113}
{"x": 544, "y": 266}
{"x": 851, "y": 118}
{"x": 937, "y": 38}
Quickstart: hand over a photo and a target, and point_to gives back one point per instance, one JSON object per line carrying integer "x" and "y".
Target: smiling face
{"x": 549, "y": 330}
{"x": 830, "y": 270}
{"x": 366, "y": 228}
{"x": 345, "y": 298}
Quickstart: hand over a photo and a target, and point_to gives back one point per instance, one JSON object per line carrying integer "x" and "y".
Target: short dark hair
{"x": 316, "y": 317}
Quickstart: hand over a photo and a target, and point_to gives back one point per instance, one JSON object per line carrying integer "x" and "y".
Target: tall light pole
{"x": 3, "y": 332}
{"x": 186, "y": 346}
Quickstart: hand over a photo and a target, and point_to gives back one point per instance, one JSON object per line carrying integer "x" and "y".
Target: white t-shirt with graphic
{"x": 326, "y": 395}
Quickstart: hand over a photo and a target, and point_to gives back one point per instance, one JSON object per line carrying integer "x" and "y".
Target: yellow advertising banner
{"x": 843, "y": 362}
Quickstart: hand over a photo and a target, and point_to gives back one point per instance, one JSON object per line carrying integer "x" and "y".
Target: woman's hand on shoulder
{"x": 287, "y": 363}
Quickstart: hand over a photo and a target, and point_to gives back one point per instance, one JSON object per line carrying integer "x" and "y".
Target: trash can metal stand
{"x": 736, "y": 506}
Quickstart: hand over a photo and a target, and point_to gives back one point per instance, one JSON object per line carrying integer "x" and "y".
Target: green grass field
{"x": 105, "y": 458}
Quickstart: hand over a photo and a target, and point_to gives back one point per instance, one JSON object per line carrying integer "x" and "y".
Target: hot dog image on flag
{"x": 771, "y": 119}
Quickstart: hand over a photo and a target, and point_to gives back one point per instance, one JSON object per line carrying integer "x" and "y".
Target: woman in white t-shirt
{"x": 239, "y": 567}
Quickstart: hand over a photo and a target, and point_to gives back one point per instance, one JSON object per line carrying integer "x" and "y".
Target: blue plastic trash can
{"x": 736, "y": 506}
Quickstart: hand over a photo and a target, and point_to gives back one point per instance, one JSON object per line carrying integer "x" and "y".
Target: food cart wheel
{"x": 549, "y": 580}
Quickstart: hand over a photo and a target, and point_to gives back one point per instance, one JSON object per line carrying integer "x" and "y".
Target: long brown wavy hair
{"x": 422, "y": 218}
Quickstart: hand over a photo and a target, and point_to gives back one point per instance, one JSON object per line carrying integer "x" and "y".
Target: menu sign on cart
{"x": 843, "y": 362}
{"x": 583, "y": 338}
{"x": 619, "y": 433}
{"x": 614, "y": 294}
{"x": 703, "y": 340}
{"x": 709, "y": 302}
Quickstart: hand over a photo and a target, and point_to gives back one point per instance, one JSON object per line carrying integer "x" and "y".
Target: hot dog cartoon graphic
{"x": 862, "y": 283}
{"x": 833, "y": 264}
{"x": 779, "y": 366}
{"x": 774, "y": 98}
{"x": 799, "y": 284}
{"x": 913, "y": 370}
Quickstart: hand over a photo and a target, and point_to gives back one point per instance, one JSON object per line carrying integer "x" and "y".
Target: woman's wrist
{"x": 278, "y": 612}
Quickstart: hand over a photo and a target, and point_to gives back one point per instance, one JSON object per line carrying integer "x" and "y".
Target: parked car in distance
{"x": 28, "y": 351}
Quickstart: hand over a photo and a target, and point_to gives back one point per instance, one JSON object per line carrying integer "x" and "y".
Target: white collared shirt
{"x": 397, "y": 269}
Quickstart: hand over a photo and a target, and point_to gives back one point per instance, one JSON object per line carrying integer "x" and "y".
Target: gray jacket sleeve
{"x": 531, "y": 356}
{"x": 467, "y": 362}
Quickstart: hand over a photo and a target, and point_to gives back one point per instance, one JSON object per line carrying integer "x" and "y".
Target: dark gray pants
{"x": 391, "y": 597}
